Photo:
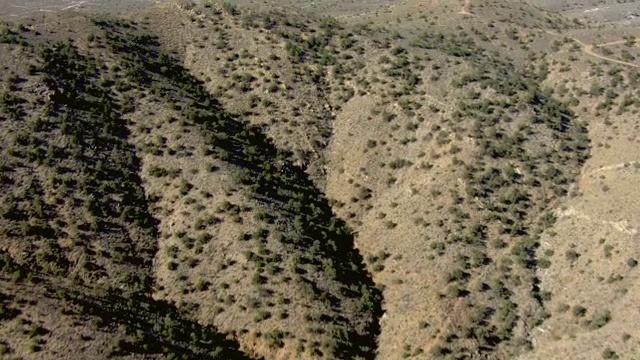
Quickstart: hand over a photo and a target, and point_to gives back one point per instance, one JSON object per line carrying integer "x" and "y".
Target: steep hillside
{"x": 280, "y": 253}
{"x": 77, "y": 238}
{"x": 264, "y": 247}
{"x": 462, "y": 205}
{"x": 591, "y": 270}
{"x": 409, "y": 179}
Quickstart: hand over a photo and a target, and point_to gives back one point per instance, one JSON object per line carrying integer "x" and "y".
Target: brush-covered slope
{"x": 78, "y": 240}
{"x": 590, "y": 269}
{"x": 241, "y": 226}
{"x": 451, "y": 203}
{"x": 143, "y": 186}
{"x": 245, "y": 157}
{"x": 435, "y": 138}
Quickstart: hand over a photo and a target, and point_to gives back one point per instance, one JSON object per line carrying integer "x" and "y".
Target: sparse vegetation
{"x": 186, "y": 182}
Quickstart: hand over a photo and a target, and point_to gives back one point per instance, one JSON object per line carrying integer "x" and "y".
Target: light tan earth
{"x": 604, "y": 214}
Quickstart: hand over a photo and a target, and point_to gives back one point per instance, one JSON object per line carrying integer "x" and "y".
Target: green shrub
{"x": 609, "y": 354}
{"x": 572, "y": 255}
{"x": 157, "y": 171}
{"x": 600, "y": 320}
{"x": 579, "y": 311}
{"x": 185, "y": 187}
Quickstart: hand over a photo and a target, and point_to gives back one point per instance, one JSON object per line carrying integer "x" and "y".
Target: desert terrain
{"x": 300, "y": 179}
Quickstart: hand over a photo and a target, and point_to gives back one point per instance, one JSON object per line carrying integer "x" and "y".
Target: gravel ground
{"x": 622, "y": 12}
{"x": 18, "y": 8}
{"x": 330, "y": 7}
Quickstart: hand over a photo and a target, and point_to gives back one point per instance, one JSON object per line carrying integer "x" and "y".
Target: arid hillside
{"x": 318, "y": 180}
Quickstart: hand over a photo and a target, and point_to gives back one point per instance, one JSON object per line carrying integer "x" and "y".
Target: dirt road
{"x": 588, "y": 49}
